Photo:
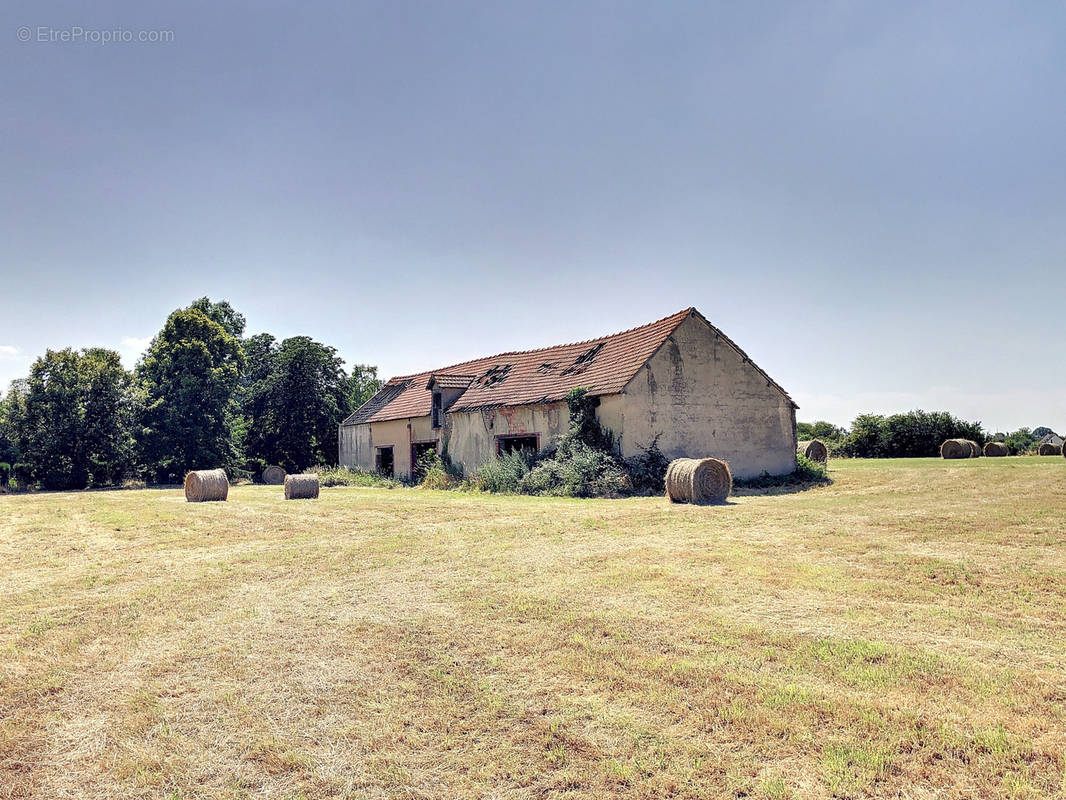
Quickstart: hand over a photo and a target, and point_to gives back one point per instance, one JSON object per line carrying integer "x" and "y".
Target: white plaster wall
{"x": 471, "y": 435}
{"x": 704, "y": 399}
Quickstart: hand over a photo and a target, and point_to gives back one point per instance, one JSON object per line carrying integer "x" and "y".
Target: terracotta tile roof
{"x": 603, "y": 366}
{"x": 445, "y": 381}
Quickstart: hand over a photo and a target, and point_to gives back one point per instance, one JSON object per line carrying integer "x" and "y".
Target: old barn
{"x": 679, "y": 379}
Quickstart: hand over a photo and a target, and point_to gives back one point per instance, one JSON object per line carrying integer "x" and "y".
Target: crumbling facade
{"x": 679, "y": 382}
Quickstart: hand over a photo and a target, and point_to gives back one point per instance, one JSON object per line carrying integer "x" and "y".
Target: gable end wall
{"x": 703, "y": 398}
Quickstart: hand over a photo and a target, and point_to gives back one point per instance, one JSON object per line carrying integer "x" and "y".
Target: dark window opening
{"x": 437, "y": 409}
{"x": 383, "y": 463}
{"x": 512, "y": 444}
{"x": 419, "y": 449}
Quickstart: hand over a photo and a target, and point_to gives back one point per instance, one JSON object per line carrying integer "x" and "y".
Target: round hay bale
{"x": 698, "y": 480}
{"x": 996, "y": 450}
{"x": 273, "y": 476}
{"x": 1048, "y": 449}
{"x": 301, "y": 487}
{"x": 205, "y": 485}
{"x": 814, "y": 450}
{"x": 955, "y": 448}
{"x": 975, "y": 449}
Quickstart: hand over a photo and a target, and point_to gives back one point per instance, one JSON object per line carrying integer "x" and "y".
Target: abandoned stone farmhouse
{"x": 680, "y": 380}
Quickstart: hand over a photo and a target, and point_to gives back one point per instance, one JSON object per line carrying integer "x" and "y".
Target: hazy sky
{"x": 870, "y": 198}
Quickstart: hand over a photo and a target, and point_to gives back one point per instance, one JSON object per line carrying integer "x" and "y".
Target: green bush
{"x": 345, "y": 476}
{"x": 23, "y": 474}
{"x": 579, "y": 471}
{"x": 505, "y": 474}
{"x": 437, "y": 471}
{"x": 647, "y": 472}
{"x": 809, "y": 470}
{"x": 584, "y": 462}
{"x": 913, "y": 434}
{"x": 5, "y": 474}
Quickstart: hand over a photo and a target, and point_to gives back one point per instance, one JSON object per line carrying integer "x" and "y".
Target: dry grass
{"x": 901, "y": 633}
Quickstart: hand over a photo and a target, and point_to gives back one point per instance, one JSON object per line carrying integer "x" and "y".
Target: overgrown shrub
{"x": 807, "y": 469}
{"x": 584, "y": 427}
{"x": 583, "y": 463}
{"x": 578, "y": 471}
{"x": 647, "y": 472}
{"x": 505, "y": 474}
{"x": 437, "y": 471}
{"x": 23, "y": 474}
{"x": 345, "y": 476}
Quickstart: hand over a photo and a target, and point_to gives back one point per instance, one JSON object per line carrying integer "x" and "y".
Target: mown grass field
{"x": 901, "y": 633}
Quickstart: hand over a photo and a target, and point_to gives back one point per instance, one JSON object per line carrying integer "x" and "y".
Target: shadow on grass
{"x": 801, "y": 480}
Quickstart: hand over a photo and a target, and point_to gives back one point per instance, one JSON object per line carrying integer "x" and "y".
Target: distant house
{"x": 1051, "y": 438}
{"x": 679, "y": 380}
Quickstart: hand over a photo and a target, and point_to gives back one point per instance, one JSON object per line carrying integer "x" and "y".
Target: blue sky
{"x": 870, "y": 198}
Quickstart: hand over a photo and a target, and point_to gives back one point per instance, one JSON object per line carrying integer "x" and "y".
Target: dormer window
{"x": 437, "y": 413}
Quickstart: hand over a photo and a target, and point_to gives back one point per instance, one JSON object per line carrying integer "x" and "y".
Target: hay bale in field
{"x": 698, "y": 480}
{"x": 1048, "y": 449}
{"x": 301, "y": 487}
{"x": 205, "y": 485}
{"x": 975, "y": 449}
{"x": 814, "y": 450}
{"x": 955, "y": 448}
{"x": 273, "y": 476}
{"x": 996, "y": 449}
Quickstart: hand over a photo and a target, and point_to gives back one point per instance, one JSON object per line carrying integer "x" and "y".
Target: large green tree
{"x": 908, "y": 435}
{"x": 9, "y": 411}
{"x": 826, "y": 432}
{"x": 231, "y": 320}
{"x": 1021, "y": 441}
{"x": 295, "y": 405}
{"x": 190, "y": 375}
{"x": 72, "y": 421}
{"x": 364, "y": 384}
{"x": 112, "y": 405}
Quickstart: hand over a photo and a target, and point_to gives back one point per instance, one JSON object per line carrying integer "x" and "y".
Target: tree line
{"x": 201, "y": 396}
{"x": 913, "y": 434}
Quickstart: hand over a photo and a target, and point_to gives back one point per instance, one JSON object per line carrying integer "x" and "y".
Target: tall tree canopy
{"x": 825, "y": 431}
{"x": 189, "y": 375}
{"x": 201, "y": 396}
{"x": 10, "y": 405}
{"x": 73, "y": 419}
{"x": 364, "y": 384}
{"x": 295, "y": 403}
{"x": 112, "y": 404}
{"x": 231, "y": 320}
{"x": 912, "y": 434}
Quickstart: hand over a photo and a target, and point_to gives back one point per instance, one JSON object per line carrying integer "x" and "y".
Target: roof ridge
{"x": 680, "y": 314}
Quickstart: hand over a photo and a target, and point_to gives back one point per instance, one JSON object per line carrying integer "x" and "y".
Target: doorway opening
{"x": 419, "y": 449}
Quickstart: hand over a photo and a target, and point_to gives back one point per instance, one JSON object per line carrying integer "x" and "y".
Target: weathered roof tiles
{"x": 603, "y": 366}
